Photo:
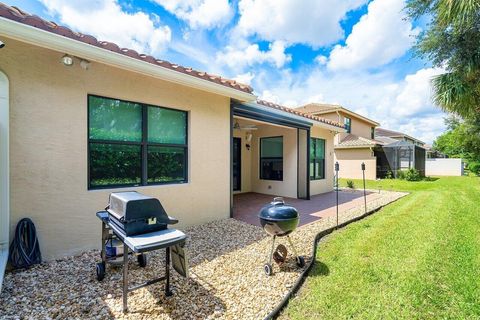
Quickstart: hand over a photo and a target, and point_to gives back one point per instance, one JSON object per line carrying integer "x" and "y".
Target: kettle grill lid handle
{"x": 278, "y": 200}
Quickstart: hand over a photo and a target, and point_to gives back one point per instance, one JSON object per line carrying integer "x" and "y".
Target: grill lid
{"x": 131, "y": 205}
{"x": 277, "y": 210}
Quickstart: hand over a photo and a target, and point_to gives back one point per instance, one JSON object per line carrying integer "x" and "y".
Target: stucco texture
{"x": 350, "y": 161}
{"x": 48, "y": 147}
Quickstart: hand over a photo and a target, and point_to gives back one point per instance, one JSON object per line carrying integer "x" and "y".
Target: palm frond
{"x": 453, "y": 94}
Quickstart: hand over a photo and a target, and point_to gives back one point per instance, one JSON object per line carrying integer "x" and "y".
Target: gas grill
{"x": 140, "y": 223}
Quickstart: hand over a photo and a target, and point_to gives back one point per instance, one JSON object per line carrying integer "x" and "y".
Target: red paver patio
{"x": 247, "y": 205}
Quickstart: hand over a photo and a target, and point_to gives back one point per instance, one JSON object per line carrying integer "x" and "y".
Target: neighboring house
{"x": 402, "y": 152}
{"x": 80, "y": 119}
{"x": 389, "y": 136}
{"x": 355, "y": 146}
{"x": 432, "y": 153}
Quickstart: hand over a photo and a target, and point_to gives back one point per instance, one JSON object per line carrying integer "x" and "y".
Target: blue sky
{"x": 356, "y": 53}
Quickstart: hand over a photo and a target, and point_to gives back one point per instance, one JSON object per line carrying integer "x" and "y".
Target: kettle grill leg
{"x": 291, "y": 245}
{"x": 168, "y": 293}
{"x": 271, "y": 251}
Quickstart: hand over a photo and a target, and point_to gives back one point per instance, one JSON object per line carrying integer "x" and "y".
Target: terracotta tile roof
{"x": 299, "y": 113}
{"x": 381, "y": 132}
{"x": 388, "y": 133}
{"x": 385, "y": 140}
{"x": 312, "y": 108}
{"x": 351, "y": 141}
{"x": 323, "y": 108}
{"x": 16, "y": 14}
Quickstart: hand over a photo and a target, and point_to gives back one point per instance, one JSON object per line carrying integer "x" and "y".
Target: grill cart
{"x": 141, "y": 224}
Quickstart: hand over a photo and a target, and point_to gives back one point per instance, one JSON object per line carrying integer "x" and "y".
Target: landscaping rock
{"x": 227, "y": 279}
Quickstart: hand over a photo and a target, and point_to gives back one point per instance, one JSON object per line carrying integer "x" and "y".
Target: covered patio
{"x": 247, "y": 205}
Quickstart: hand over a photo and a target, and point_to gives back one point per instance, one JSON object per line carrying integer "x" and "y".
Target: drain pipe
{"x": 296, "y": 286}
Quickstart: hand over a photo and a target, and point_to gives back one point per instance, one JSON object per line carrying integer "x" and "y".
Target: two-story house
{"x": 354, "y": 147}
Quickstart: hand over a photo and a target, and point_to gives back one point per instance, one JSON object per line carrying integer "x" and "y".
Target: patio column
{"x": 303, "y": 190}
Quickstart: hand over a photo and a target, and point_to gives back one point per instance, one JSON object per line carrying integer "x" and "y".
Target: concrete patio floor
{"x": 247, "y": 205}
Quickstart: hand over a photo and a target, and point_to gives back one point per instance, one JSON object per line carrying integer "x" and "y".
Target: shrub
{"x": 389, "y": 175}
{"x": 401, "y": 174}
{"x": 412, "y": 174}
{"x": 474, "y": 167}
{"x": 350, "y": 184}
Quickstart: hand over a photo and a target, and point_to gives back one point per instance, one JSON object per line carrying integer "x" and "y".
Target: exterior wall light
{"x": 67, "y": 60}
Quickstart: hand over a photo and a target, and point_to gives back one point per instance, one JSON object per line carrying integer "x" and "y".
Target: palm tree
{"x": 452, "y": 42}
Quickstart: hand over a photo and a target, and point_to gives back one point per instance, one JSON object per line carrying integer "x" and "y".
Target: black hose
{"x": 278, "y": 309}
{"x": 25, "y": 250}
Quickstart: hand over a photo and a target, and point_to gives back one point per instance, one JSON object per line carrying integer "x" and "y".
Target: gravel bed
{"x": 226, "y": 278}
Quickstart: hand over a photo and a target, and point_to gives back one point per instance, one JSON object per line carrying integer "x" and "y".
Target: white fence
{"x": 443, "y": 167}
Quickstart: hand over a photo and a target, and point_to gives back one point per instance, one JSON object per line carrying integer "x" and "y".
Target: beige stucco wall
{"x": 48, "y": 147}
{"x": 350, "y": 161}
{"x": 324, "y": 185}
{"x": 359, "y": 127}
{"x": 287, "y": 187}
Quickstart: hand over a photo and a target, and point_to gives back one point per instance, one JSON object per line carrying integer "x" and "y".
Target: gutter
{"x": 41, "y": 38}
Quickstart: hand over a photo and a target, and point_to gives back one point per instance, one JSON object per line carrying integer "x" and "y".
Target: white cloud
{"x": 245, "y": 78}
{"x": 106, "y": 20}
{"x": 416, "y": 92}
{"x": 200, "y": 13}
{"x": 403, "y": 105}
{"x": 238, "y": 58}
{"x": 267, "y": 95}
{"x": 381, "y": 35}
{"x": 314, "y": 23}
{"x": 321, "y": 60}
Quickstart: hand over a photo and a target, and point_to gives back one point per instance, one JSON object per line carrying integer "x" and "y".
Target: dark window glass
{"x": 271, "y": 158}
{"x": 111, "y": 119}
{"x": 372, "y": 134}
{"x": 167, "y": 126}
{"x": 134, "y": 144}
{"x": 348, "y": 124}
{"x": 166, "y": 164}
{"x": 115, "y": 165}
{"x": 317, "y": 159}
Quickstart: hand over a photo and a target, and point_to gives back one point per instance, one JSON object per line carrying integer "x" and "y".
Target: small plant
{"x": 412, "y": 174}
{"x": 389, "y": 175}
{"x": 401, "y": 174}
{"x": 350, "y": 184}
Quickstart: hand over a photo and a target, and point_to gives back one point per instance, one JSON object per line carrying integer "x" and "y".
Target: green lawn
{"x": 416, "y": 258}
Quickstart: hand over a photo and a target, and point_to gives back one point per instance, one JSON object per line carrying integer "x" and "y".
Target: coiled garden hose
{"x": 25, "y": 249}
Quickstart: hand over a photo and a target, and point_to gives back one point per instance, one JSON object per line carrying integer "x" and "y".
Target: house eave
{"x": 41, "y": 38}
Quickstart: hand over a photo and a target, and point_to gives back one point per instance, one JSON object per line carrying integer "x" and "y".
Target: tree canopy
{"x": 461, "y": 140}
{"x": 451, "y": 41}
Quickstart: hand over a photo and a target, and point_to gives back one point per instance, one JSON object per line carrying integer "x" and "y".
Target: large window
{"x": 271, "y": 158}
{"x": 317, "y": 159}
{"x": 348, "y": 124}
{"x": 133, "y": 144}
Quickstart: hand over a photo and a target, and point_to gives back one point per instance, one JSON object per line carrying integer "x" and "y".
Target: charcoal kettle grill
{"x": 140, "y": 224}
{"x": 279, "y": 220}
